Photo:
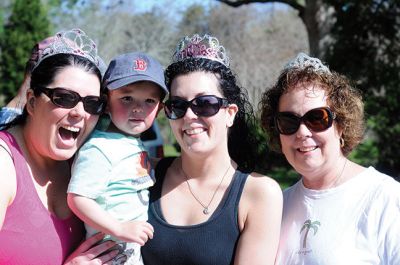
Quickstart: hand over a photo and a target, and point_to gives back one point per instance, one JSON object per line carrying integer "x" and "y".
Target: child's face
{"x": 134, "y": 107}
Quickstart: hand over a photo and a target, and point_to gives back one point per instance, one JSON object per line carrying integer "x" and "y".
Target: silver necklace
{"x": 206, "y": 209}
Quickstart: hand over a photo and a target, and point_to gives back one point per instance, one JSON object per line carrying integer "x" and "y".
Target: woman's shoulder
{"x": 384, "y": 186}
{"x": 261, "y": 200}
{"x": 262, "y": 186}
{"x": 259, "y": 180}
{"x": 8, "y": 181}
{"x": 6, "y": 158}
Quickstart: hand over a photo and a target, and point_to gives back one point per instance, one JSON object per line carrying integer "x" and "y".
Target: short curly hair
{"x": 342, "y": 98}
{"x": 241, "y": 138}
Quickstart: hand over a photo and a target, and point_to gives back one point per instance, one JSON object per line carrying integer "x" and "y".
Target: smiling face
{"x": 196, "y": 134}
{"x": 312, "y": 154}
{"x": 134, "y": 107}
{"x": 57, "y": 132}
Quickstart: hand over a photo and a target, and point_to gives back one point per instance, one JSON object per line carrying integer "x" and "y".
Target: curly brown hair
{"x": 343, "y": 99}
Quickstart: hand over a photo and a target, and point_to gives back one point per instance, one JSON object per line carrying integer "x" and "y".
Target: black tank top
{"x": 208, "y": 243}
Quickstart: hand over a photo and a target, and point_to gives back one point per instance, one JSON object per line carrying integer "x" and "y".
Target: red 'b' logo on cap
{"x": 140, "y": 65}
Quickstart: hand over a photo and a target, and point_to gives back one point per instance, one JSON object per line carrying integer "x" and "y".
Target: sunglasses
{"x": 204, "y": 106}
{"x": 68, "y": 99}
{"x": 317, "y": 120}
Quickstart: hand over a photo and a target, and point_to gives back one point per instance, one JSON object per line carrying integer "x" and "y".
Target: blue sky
{"x": 177, "y": 4}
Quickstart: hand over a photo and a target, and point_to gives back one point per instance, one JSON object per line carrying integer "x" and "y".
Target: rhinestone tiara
{"x": 207, "y": 47}
{"x": 73, "y": 41}
{"x": 302, "y": 60}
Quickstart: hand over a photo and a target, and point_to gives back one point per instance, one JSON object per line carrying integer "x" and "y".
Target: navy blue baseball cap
{"x": 133, "y": 67}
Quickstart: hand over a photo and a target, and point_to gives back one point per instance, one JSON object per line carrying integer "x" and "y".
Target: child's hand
{"x": 135, "y": 231}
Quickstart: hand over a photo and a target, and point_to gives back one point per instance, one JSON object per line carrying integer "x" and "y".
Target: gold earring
{"x": 341, "y": 141}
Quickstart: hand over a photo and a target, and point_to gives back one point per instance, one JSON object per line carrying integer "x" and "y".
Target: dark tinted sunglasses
{"x": 204, "y": 106}
{"x": 68, "y": 99}
{"x": 317, "y": 120}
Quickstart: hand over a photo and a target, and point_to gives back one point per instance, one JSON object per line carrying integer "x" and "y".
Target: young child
{"x": 111, "y": 173}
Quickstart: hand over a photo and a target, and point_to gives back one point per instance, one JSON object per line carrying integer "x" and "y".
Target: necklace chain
{"x": 339, "y": 176}
{"x": 205, "y": 207}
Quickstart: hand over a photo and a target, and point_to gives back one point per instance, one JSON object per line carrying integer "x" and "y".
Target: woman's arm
{"x": 8, "y": 182}
{"x": 260, "y": 215}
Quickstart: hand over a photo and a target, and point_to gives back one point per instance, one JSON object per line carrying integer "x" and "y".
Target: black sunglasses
{"x": 68, "y": 99}
{"x": 317, "y": 120}
{"x": 205, "y": 106}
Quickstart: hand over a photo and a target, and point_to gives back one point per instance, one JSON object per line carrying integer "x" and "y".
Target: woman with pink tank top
{"x": 63, "y": 105}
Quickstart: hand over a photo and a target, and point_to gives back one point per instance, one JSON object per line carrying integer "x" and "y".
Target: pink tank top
{"x": 30, "y": 233}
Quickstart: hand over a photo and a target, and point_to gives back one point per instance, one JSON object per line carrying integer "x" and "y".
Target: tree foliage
{"x": 193, "y": 20}
{"x": 360, "y": 39}
{"x": 26, "y": 25}
{"x": 257, "y": 44}
{"x": 315, "y": 15}
{"x": 367, "y": 48}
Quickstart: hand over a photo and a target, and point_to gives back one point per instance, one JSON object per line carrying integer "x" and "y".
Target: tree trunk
{"x": 316, "y": 16}
{"x": 310, "y": 19}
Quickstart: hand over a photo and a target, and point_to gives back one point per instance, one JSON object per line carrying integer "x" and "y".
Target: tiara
{"x": 302, "y": 60}
{"x": 200, "y": 47}
{"x": 73, "y": 41}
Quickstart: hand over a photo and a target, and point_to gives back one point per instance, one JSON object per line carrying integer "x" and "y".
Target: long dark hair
{"x": 45, "y": 73}
{"x": 241, "y": 138}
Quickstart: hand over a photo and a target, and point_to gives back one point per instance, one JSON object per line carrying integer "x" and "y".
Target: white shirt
{"x": 357, "y": 222}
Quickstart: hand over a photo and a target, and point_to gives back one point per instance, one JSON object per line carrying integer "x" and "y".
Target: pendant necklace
{"x": 205, "y": 207}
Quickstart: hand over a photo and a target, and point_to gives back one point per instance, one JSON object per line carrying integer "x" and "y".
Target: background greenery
{"x": 358, "y": 38}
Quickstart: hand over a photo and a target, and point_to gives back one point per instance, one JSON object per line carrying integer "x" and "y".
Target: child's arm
{"x": 93, "y": 215}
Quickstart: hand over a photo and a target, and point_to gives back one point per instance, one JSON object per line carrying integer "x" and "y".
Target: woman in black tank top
{"x": 206, "y": 208}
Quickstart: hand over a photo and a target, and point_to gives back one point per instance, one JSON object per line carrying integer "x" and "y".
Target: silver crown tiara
{"x": 200, "y": 47}
{"x": 73, "y": 41}
{"x": 302, "y": 60}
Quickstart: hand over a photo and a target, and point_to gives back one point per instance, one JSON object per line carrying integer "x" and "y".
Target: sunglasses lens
{"x": 93, "y": 104}
{"x": 176, "y": 108}
{"x": 68, "y": 99}
{"x": 206, "y": 106}
{"x": 64, "y": 98}
{"x": 318, "y": 119}
{"x": 287, "y": 123}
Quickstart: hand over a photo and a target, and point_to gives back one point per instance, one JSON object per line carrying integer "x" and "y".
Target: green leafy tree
{"x": 367, "y": 48}
{"x": 27, "y": 24}
{"x": 362, "y": 40}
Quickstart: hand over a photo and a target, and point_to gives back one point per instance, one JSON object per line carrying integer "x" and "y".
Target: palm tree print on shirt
{"x": 308, "y": 224}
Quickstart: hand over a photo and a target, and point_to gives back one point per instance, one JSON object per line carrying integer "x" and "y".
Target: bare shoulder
{"x": 259, "y": 193}
{"x": 261, "y": 185}
{"x": 261, "y": 201}
{"x": 8, "y": 183}
{"x": 6, "y": 161}
{"x": 4, "y": 146}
